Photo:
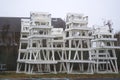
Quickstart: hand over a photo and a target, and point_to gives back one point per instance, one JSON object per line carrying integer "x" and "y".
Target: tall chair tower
{"x": 77, "y": 48}
{"x": 40, "y": 53}
{"x": 103, "y": 50}
{"x": 25, "y": 24}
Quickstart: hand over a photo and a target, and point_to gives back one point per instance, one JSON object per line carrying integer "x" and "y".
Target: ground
{"x": 60, "y": 75}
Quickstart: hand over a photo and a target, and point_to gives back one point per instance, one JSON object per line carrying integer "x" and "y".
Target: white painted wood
{"x": 105, "y": 60}
{"x": 76, "y": 50}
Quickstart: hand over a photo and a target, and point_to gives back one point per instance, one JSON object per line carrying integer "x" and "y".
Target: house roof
{"x": 14, "y": 23}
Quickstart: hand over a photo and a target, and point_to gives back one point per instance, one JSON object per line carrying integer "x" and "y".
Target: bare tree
{"x": 4, "y": 33}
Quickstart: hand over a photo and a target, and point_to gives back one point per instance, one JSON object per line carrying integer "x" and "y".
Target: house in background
{"x": 10, "y": 28}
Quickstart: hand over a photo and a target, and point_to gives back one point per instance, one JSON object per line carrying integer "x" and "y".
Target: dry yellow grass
{"x": 61, "y": 75}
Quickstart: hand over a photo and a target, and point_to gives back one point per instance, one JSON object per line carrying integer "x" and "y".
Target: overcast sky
{"x": 96, "y": 10}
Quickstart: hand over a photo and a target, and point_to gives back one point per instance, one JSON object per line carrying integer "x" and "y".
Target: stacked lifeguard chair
{"x": 77, "y": 48}
{"x": 103, "y": 50}
{"x": 40, "y": 53}
{"x": 25, "y": 24}
{"x": 59, "y": 45}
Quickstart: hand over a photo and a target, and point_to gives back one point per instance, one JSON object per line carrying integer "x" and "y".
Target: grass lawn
{"x": 60, "y": 75}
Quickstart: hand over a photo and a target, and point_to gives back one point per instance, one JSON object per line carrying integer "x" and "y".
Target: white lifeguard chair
{"x": 59, "y": 45}
{"x": 25, "y": 24}
{"x": 77, "y": 48}
{"x": 103, "y": 50}
{"x": 39, "y": 57}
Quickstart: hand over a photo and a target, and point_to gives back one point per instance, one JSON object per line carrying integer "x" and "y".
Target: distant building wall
{"x": 10, "y": 36}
